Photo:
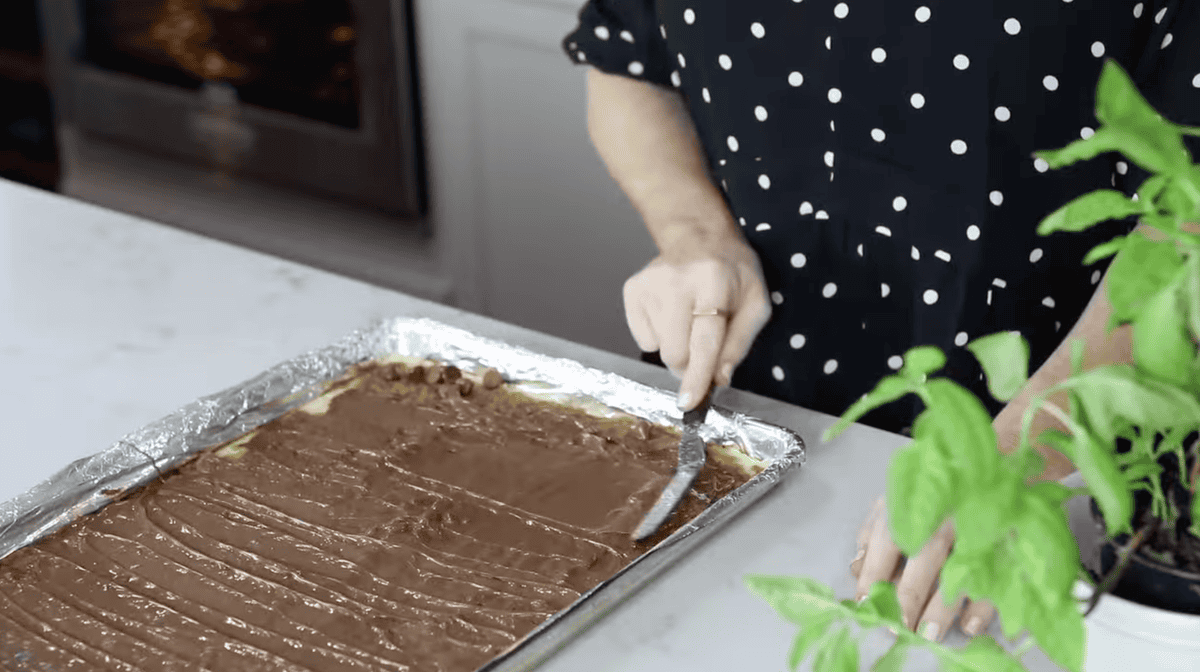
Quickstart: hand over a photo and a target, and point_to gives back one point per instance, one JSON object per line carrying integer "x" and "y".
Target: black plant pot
{"x": 1147, "y": 581}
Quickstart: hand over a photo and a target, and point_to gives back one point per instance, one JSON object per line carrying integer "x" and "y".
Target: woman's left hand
{"x": 878, "y": 559}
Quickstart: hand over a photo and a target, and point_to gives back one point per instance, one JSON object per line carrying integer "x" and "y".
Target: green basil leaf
{"x": 886, "y": 391}
{"x": 838, "y": 653}
{"x": 1098, "y": 466}
{"x": 1144, "y": 268}
{"x": 1058, "y": 440}
{"x": 1104, "y": 250}
{"x": 1139, "y": 467}
{"x": 922, "y": 361}
{"x": 1151, "y": 141}
{"x": 796, "y": 598}
{"x": 1108, "y": 139}
{"x": 1089, "y": 210}
{"x": 893, "y": 660}
{"x": 1028, "y": 463}
{"x": 1194, "y": 380}
{"x": 967, "y": 573}
{"x": 1161, "y": 345}
{"x": 1150, "y": 190}
{"x": 1192, "y": 294}
{"x": 1047, "y": 550}
{"x": 1102, "y": 141}
{"x": 1004, "y": 358}
{"x": 993, "y": 575}
{"x": 960, "y": 428}
{"x": 920, "y": 483}
{"x": 982, "y": 516}
{"x": 1008, "y": 590}
{"x": 1117, "y": 391}
{"x": 1118, "y": 100}
{"x": 811, "y": 632}
{"x": 1179, "y": 199}
{"x": 1056, "y": 623}
{"x": 881, "y": 607}
{"x": 983, "y": 654}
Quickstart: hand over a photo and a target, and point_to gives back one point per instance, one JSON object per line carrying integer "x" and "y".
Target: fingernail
{"x": 973, "y": 626}
{"x": 862, "y": 553}
{"x": 930, "y": 631}
{"x": 685, "y": 399}
{"x": 858, "y": 599}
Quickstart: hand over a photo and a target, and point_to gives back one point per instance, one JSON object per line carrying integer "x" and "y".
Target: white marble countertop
{"x": 109, "y": 322}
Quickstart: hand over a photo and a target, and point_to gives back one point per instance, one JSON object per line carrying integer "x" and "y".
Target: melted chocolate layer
{"x": 425, "y": 522}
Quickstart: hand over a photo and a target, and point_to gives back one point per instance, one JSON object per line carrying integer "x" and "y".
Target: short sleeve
{"x": 621, "y": 37}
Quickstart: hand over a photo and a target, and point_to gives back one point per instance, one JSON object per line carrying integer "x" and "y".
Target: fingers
{"x": 672, "y": 323}
{"x": 935, "y": 621}
{"x": 976, "y": 617}
{"x": 744, "y": 327}
{"x": 636, "y": 318}
{"x": 864, "y": 536}
{"x": 708, "y": 332}
{"x": 881, "y": 559}
{"x": 921, "y": 572}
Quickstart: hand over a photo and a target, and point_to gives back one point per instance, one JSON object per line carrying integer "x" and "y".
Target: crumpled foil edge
{"x": 88, "y": 484}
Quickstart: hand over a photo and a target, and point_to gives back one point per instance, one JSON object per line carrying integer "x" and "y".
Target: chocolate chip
{"x": 433, "y": 375}
{"x": 394, "y": 372}
{"x": 451, "y": 373}
{"x": 492, "y": 379}
{"x": 465, "y": 385}
{"x": 416, "y": 374}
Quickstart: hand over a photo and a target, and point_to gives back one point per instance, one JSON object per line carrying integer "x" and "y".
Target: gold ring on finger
{"x": 711, "y": 312}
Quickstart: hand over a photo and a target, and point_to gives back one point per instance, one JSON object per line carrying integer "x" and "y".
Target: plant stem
{"x": 1026, "y": 645}
{"x": 1195, "y": 476}
{"x": 1059, "y": 413}
{"x": 1115, "y": 574}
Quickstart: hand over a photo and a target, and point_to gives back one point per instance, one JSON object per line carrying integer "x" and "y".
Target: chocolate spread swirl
{"x": 424, "y": 522}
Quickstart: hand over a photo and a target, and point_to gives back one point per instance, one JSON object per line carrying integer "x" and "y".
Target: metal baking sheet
{"x": 88, "y": 484}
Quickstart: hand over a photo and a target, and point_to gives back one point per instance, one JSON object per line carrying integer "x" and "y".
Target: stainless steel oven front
{"x": 317, "y": 96}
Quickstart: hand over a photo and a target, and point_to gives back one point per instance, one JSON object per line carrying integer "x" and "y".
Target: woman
{"x": 832, "y": 183}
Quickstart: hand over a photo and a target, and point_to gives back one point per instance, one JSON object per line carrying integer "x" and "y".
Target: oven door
{"x": 317, "y": 96}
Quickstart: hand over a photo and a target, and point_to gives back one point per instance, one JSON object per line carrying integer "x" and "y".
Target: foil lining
{"x": 88, "y": 484}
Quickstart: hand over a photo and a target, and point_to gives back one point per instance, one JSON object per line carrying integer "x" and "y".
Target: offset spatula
{"x": 691, "y": 461}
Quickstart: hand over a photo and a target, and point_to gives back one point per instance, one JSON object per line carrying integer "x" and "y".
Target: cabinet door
{"x": 549, "y": 238}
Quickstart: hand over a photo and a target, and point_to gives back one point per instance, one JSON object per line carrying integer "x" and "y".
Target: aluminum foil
{"x": 88, "y": 484}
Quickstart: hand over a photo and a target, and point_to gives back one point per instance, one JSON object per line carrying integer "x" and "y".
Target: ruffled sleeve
{"x": 621, "y": 37}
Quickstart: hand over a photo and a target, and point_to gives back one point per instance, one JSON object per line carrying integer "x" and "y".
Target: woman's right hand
{"x": 698, "y": 272}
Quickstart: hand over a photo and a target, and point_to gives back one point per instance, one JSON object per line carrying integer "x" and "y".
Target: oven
{"x": 318, "y": 96}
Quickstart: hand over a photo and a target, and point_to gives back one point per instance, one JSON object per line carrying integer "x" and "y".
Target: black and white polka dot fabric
{"x": 877, "y": 154}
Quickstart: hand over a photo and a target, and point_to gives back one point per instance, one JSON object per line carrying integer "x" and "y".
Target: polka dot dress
{"x": 878, "y": 156}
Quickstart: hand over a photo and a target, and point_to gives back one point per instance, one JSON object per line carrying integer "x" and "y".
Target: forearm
{"x": 1100, "y": 349}
{"x": 648, "y": 142}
